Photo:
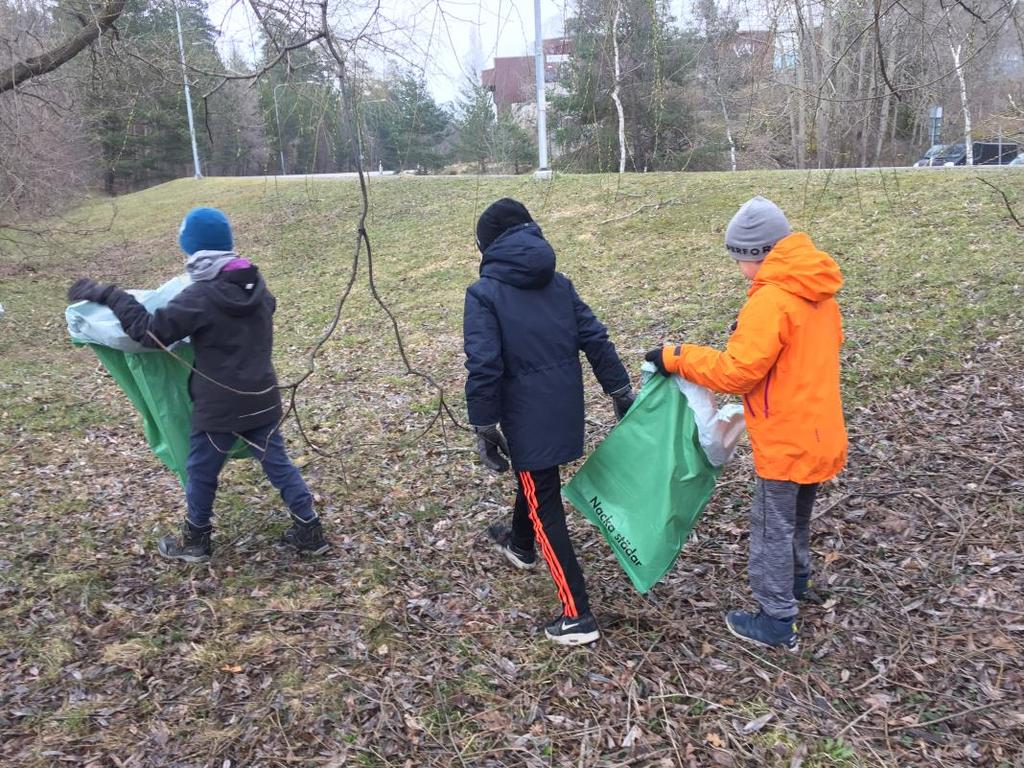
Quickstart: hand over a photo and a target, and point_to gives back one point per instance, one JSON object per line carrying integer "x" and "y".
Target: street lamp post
{"x": 277, "y": 119}
{"x": 543, "y": 172}
{"x": 188, "y": 97}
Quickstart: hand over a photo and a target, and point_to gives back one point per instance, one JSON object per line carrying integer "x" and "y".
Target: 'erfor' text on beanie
{"x": 755, "y": 229}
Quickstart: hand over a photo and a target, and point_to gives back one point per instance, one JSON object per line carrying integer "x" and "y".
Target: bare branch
{"x": 49, "y": 60}
{"x": 881, "y": 52}
{"x": 1006, "y": 200}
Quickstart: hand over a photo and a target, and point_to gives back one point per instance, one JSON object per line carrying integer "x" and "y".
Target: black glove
{"x": 491, "y": 446}
{"x": 622, "y": 399}
{"x": 84, "y": 289}
{"x": 657, "y": 356}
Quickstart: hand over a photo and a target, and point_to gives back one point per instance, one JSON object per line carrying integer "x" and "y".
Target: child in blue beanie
{"x": 227, "y": 312}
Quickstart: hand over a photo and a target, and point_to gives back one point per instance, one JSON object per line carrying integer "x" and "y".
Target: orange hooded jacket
{"x": 784, "y": 359}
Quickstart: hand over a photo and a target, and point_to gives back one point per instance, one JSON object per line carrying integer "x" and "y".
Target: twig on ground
{"x": 644, "y": 207}
{"x": 961, "y": 713}
{"x": 1006, "y": 200}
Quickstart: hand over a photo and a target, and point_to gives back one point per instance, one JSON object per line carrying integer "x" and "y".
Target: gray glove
{"x": 622, "y": 399}
{"x": 493, "y": 449}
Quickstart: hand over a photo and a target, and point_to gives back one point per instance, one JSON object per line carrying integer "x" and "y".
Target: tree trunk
{"x": 728, "y": 129}
{"x": 615, "y": 89}
{"x": 956, "y": 49}
{"x": 865, "y": 88}
{"x": 823, "y": 109}
{"x": 18, "y": 72}
{"x": 883, "y": 124}
{"x": 801, "y": 65}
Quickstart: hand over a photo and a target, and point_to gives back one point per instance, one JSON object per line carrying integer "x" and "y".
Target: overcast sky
{"x": 435, "y": 36}
{"x": 439, "y": 36}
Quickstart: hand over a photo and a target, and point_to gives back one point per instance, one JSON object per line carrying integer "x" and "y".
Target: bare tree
{"x": 94, "y": 22}
{"x": 616, "y": 86}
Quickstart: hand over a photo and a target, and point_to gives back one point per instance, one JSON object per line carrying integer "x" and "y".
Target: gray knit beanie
{"x": 755, "y": 229}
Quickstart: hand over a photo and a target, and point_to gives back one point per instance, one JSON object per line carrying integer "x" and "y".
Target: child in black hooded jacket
{"x": 227, "y": 312}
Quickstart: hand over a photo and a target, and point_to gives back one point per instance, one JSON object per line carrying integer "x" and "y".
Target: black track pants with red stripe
{"x": 539, "y": 519}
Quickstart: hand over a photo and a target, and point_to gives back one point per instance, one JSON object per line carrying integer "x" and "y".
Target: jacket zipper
{"x": 767, "y": 386}
{"x": 750, "y": 406}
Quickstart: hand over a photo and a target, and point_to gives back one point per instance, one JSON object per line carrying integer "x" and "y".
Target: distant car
{"x": 929, "y": 156}
{"x": 984, "y": 153}
{"x": 1018, "y": 160}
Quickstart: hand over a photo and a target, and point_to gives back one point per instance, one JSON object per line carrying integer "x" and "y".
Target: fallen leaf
{"x": 632, "y": 736}
{"x": 757, "y": 724}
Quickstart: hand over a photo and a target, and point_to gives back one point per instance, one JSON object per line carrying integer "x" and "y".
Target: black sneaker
{"x": 501, "y": 535}
{"x": 192, "y": 547}
{"x": 307, "y": 537}
{"x": 764, "y": 630}
{"x": 579, "y": 631}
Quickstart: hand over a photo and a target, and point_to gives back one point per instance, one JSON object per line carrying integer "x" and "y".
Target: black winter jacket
{"x": 230, "y": 320}
{"x": 524, "y": 326}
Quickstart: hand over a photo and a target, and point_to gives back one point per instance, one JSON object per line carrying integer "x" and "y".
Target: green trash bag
{"x": 157, "y": 385}
{"x": 155, "y": 382}
{"x": 647, "y": 484}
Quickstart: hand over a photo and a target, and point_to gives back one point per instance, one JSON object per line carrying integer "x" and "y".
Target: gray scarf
{"x": 206, "y": 265}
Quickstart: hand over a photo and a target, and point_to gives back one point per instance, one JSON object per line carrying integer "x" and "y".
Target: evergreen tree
{"x": 514, "y": 144}
{"x": 656, "y": 65}
{"x": 301, "y": 109}
{"x": 237, "y": 125}
{"x": 135, "y": 105}
{"x": 404, "y": 126}
{"x": 476, "y": 126}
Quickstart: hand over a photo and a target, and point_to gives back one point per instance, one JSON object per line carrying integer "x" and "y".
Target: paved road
{"x": 375, "y": 175}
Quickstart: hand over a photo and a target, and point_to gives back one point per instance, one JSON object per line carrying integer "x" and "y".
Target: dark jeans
{"x": 209, "y": 450}
{"x": 539, "y": 517}
{"x": 780, "y": 530}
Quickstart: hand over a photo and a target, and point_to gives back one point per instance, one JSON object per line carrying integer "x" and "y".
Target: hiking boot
{"x": 501, "y": 535}
{"x": 764, "y": 630}
{"x": 306, "y": 537}
{"x": 579, "y": 631}
{"x": 192, "y": 547}
{"x": 804, "y": 591}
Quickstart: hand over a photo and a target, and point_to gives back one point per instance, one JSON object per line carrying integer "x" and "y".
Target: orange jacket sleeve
{"x": 748, "y": 357}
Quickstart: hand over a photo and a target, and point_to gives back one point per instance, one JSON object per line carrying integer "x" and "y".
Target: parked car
{"x": 985, "y": 153}
{"x": 926, "y": 161}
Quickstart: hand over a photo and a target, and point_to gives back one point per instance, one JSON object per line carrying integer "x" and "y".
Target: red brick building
{"x": 511, "y": 79}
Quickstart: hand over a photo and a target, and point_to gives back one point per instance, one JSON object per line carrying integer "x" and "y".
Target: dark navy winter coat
{"x": 524, "y": 326}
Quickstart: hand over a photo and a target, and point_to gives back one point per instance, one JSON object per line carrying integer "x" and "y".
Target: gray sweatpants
{"x": 780, "y": 529}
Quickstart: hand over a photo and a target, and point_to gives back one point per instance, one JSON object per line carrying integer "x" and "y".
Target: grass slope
{"x": 411, "y": 643}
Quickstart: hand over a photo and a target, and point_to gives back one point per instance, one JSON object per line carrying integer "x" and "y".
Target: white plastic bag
{"x": 719, "y": 429}
{"x": 92, "y": 323}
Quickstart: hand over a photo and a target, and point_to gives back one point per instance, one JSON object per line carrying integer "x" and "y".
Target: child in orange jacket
{"x": 783, "y": 358}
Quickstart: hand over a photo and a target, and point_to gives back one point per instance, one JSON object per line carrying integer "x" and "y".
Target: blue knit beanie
{"x": 205, "y": 229}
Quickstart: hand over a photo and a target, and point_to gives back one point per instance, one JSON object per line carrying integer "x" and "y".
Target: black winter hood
{"x": 521, "y": 257}
{"x": 499, "y": 217}
{"x": 239, "y": 292}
